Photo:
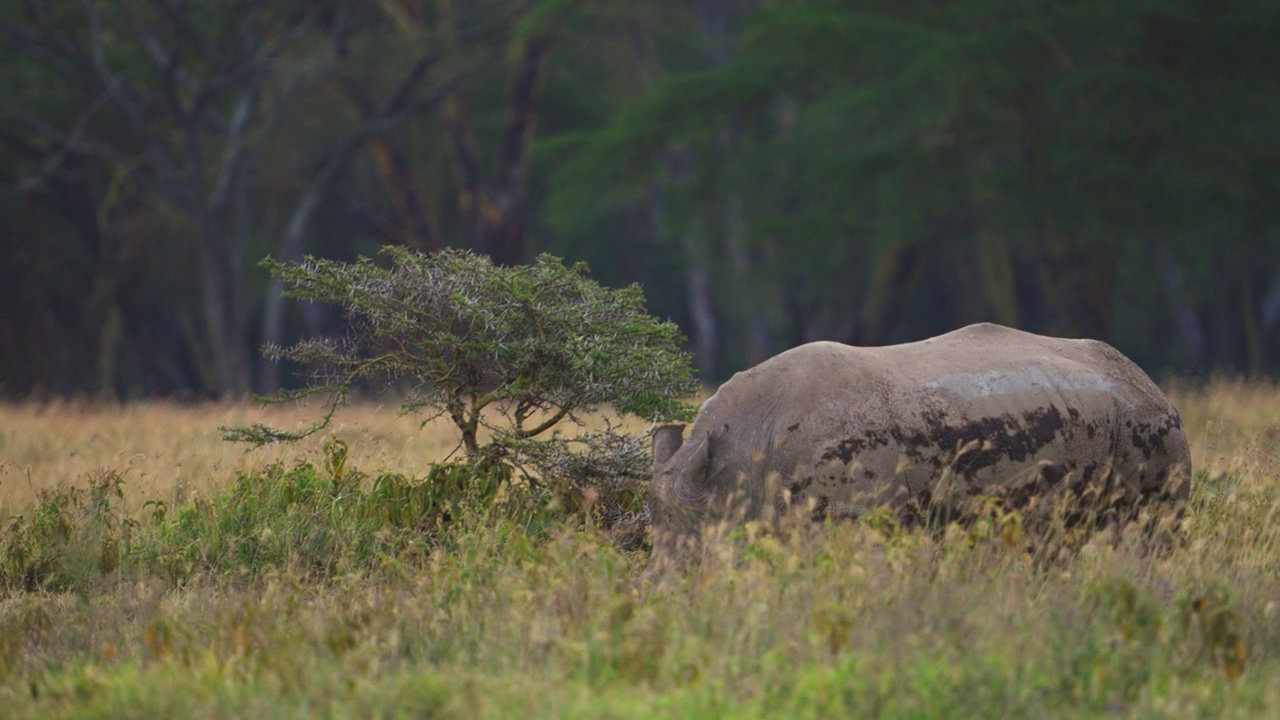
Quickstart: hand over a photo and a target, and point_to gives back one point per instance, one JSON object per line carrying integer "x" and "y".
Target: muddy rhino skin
{"x": 834, "y": 430}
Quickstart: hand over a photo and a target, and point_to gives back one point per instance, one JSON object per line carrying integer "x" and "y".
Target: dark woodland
{"x": 770, "y": 172}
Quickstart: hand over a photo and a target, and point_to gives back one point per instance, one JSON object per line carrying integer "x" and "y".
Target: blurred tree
{"x": 1016, "y": 154}
{"x": 248, "y": 122}
{"x": 492, "y": 209}
{"x": 377, "y": 102}
{"x": 773, "y": 172}
{"x": 180, "y": 90}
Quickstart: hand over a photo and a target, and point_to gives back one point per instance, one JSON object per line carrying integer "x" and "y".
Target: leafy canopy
{"x": 530, "y": 344}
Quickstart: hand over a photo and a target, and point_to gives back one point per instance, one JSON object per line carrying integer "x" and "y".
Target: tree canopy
{"x": 458, "y": 335}
{"x": 770, "y": 172}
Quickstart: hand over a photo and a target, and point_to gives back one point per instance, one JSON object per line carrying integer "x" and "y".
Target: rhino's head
{"x": 678, "y": 496}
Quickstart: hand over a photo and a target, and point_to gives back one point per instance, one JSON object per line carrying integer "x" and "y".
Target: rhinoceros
{"x": 833, "y": 430}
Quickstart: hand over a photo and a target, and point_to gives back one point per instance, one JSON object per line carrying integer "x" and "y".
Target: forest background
{"x": 771, "y": 172}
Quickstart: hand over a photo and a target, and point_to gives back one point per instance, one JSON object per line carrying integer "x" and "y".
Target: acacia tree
{"x": 514, "y": 351}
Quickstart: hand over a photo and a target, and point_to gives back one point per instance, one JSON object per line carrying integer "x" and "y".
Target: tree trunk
{"x": 750, "y": 297}
{"x": 414, "y": 228}
{"x": 1069, "y": 291}
{"x": 223, "y": 334}
{"x": 706, "y": 336}
{"x": 102, "y": 313}
{"x": 1270, "y": 310}
{"x": 291, "y": 251}
{"x": 494, "y": 213}
{"x": 1190, "y": 331}
{"x": 108, "y": 352}
{"x": 273, "y": 303}
{"x": 896, "y": 274}
{"x": 1227, "y": 335}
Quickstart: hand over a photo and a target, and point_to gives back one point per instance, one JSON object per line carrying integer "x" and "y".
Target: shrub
{"x": 319, "y": 521}
{"x": 69, "y": 536}
{"x": 515, "y": 351}
{"x": 314, "y": 520}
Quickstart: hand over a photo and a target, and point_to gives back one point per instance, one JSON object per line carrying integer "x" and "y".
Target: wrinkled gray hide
{"x": 831, "y": 430}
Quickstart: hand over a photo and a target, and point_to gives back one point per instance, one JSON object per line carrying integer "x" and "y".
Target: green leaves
{"x": 1012, "y": 154}
{"x": 514, "y": 350}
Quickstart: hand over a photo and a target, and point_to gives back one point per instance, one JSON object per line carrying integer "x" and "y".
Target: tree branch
{"x": 168, "y": 181}
{"x": 236, "y": 156}
{"x": 545, "y": 426}
{"x": 400, "y": 96}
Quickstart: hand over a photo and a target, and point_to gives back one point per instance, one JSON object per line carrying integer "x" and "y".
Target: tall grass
{"x": 174, "y": 452}
{"x": 295, "y": 589}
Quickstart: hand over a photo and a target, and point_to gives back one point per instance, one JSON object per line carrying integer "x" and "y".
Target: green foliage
{"x": 316, "y": 520}
{"x": 317, "y": 584}
{"x": 322, "y": 521}
{"x": 998, "y": 160}
{"x": 1134, "y": 635}
{"x": 511, "y": 351}
{"x": 71, "y": 536}
{"x": 466, "y": 335}
{"x": 600, "y": 476}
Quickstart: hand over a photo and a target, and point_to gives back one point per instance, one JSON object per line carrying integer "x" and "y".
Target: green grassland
{"x": 149, "y": 570}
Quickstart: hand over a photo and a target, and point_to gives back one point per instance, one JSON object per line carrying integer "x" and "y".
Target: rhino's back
{"x": 978, "y": 369}
{"x": 985, "y": 402}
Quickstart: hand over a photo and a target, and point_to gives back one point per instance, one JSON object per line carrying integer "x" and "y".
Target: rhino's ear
{"x": 667, "y": 439}
{"x": 691, "y": 479}
{"x": 701, "y": 464}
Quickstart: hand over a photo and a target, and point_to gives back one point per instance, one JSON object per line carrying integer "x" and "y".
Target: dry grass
{"x": 174, "y": 452}
{"x": 846, "y": 621}
{"x": 1233, "y": 425}
{"x": 170, "y": 451}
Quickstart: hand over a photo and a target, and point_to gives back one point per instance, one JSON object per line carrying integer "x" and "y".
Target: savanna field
{"x": 150, "y": 569}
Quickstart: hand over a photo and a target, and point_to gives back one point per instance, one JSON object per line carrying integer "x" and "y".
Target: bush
{"x": 313, "y": 520}
{"x": 316, "y": 521}
{"x": 71, "y": 535}
{"x": 516, "y": 351}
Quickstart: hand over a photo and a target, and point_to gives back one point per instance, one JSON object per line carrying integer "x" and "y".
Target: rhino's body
{"x": 835, "y": 430}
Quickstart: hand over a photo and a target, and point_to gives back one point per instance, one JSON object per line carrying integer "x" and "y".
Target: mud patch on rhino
{"x": 994, "y": 438}
{"x": 1088, "y": 472}
{"x": 849, "y": 448}
{"x": 819, "y": 511}
{"x": 797, "y": 487}
{"x": 1149, "y": 437}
